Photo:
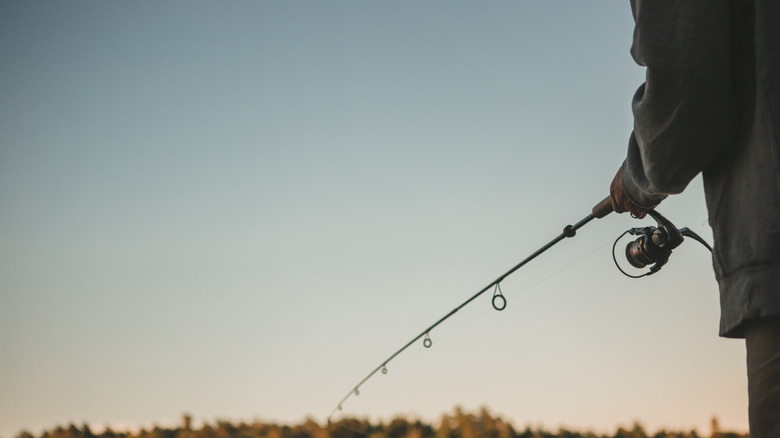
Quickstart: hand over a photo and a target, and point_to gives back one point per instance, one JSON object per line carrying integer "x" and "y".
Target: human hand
{"x": 621, "y": 203}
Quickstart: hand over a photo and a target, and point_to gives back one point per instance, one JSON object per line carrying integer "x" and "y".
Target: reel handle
{"x": 603, "y": 208}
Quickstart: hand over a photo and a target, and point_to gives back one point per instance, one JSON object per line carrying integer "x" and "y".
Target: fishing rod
{"x": 653, "y": 246}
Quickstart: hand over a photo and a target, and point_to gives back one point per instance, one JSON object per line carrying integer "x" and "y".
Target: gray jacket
{"x": 711, "y": 104}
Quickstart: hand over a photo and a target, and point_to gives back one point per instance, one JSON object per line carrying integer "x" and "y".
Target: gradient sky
{"x": 239, "y": 209}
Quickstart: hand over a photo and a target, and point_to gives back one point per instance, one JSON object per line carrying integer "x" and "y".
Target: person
{"x": 710, "y": 104}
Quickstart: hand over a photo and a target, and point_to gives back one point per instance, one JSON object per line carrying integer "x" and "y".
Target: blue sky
{"x": 239, "y": 209}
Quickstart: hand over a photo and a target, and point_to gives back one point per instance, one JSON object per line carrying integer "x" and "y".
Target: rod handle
{"x": 603, "y": 208}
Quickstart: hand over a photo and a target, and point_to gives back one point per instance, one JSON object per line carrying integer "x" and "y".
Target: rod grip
{"x": 603, "y": 208}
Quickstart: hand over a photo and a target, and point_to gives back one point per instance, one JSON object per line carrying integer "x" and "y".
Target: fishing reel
{"x": 654, "y": 244}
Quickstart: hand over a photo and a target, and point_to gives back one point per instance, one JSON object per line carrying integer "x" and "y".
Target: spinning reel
{"x": 654, "y": 244}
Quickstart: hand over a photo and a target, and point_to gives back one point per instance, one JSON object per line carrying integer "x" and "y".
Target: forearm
{"x": 684, "y": 114}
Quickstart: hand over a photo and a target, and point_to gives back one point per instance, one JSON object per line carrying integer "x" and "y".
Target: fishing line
{"x": 543, "y": 280}
{"x": 517, "y": 294}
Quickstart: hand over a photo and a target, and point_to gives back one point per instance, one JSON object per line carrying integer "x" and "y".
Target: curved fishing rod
{"x": 601, "y": 209}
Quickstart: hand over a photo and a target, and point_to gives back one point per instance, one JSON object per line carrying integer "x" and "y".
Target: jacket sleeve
{"x": 684, "y": 113}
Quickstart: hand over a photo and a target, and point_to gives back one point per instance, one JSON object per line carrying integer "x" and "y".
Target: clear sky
{"x": 239, "y": 209}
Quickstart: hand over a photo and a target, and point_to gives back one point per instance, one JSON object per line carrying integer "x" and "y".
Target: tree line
{"x": 459, "y": 424}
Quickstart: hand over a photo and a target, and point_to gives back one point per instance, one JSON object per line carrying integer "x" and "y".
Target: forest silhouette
{"x": 458, "y": 424}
